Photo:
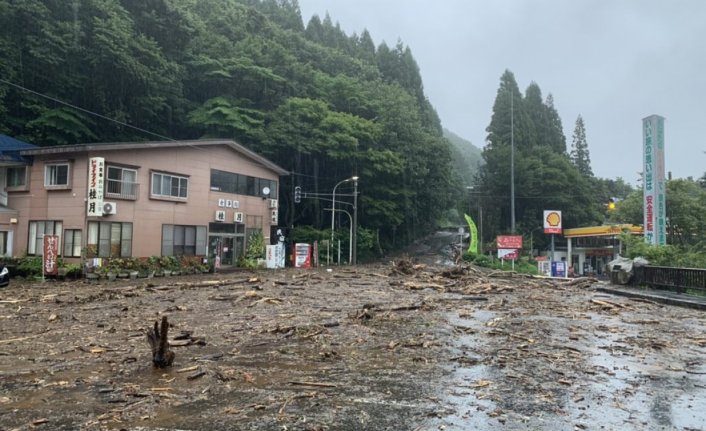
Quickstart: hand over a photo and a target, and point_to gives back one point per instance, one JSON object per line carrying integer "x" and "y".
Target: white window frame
{"x": 169, "y": 177}
{"x": 48, "y": 175}
{"x": 35, "y": 246}
{"x": 128, "y": 190}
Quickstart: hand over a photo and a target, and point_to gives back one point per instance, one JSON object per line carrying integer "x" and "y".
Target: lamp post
{"x": 333, "y": 204}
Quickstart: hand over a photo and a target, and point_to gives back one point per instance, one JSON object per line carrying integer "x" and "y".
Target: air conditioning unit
{"x": 273, "y": 217}
{"x": 109, "y": 208}
{"x": 238, "y": 217}
{"x": 273, "y": 203}
{"x": 220, "y": 216}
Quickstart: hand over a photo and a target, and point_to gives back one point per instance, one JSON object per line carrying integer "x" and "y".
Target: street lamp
{"x": 333, "y": 204}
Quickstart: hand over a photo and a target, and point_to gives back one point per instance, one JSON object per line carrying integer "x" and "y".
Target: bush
{"x": 29, "y": 266}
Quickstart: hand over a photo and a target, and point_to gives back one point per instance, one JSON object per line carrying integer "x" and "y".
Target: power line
{"x": 85, "y": 110}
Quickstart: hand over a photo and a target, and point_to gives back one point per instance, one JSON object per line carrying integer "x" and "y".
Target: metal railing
{"x": 678, "y": 279}
{"x": 116, "y": 189}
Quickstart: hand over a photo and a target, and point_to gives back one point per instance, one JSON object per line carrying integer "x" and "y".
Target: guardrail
{"x": 684, "y": 280}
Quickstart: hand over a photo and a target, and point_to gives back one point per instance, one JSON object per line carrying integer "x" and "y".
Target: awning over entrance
{"x": 606, "y": 230}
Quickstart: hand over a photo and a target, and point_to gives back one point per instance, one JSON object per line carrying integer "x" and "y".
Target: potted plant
{"x": 168, "y": 264}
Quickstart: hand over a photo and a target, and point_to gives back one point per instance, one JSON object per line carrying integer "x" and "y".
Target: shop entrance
{"x": 226, "y": 243}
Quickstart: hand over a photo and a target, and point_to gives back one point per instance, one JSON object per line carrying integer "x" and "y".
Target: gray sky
{"x": 612, "y": 61}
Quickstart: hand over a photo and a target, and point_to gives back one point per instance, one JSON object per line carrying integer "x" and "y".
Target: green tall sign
{"x": 473, "y": 246}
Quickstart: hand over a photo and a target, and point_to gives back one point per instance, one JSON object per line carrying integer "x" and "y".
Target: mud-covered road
{"x": 383, "y": 347}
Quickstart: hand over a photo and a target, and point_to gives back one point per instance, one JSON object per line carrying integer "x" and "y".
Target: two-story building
{"x": 137, "y": 199}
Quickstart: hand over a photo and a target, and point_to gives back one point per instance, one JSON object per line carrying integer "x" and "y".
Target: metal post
{"x": 354, "y": 258}
{"x": 480, "y": 237}
{"x": 333, "y": 212}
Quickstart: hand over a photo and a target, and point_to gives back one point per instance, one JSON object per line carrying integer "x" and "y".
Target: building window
{"x": 56, "y": 175}
{"x": 121, "y": 183}
{"x": 169, "y": 186}
{"x": 72, "y": 243}
{"x": 178, "y": 240}
{"x": 3, "y": 242}
{"x": 230, "y": 182}
{"x": 37, "y": 230}
{"x": 17, "y": 176}
{"x": 109, "y": 239}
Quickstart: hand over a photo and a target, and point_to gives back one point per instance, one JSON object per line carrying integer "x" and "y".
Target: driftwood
{"x": 157, "y": 338}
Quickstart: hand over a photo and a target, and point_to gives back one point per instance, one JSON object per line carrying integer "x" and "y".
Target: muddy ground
{"x": 392, "y": 346}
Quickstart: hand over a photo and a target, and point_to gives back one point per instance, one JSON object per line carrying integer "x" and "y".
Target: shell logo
{"x": 553, "y": 219}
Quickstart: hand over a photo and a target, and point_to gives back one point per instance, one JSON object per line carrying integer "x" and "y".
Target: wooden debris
{"x": 315, "y": 384}
{"x": 157, "y": 338}
{"x": 196, "y": 375}
{"x": 608, "y": 304}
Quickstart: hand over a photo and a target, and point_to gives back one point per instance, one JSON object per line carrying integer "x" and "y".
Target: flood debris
{"x": 400, "y": 345}
{"x": 162, "y": 356}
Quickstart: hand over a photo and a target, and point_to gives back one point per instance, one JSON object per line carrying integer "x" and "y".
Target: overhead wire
{"x": 78, "y": 108}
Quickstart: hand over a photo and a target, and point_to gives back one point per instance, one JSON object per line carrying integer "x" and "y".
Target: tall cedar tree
{"x": 579, "y": 149}
{"x": 544, "y": 175}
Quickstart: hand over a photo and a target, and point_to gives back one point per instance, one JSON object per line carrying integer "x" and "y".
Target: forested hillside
{"x": 467, "y": 158}
{"x": 321, "y": 103}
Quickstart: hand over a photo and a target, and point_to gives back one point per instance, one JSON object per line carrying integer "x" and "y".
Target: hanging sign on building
{"x": 96, "y": 178}
{"x": 653, "y": 184}
{"x": 51, "y": 253}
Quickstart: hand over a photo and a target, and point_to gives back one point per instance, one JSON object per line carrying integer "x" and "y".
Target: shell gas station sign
{"x": 552, "y": 221}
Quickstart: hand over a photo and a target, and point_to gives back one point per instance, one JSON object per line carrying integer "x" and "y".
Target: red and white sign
{"x": 552, "y": 221}
{"x": 96, "y": 178}
{"x": 51, "y": 253}
{"x": 509, "y": 241}
{"x": 508, "y": 253}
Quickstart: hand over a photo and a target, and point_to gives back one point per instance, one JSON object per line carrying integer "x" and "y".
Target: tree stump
{"x": 157, "y": 338}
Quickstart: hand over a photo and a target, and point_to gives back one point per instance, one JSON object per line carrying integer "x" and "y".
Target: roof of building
{"x": 605, "y": 230}
{"x": 110, "y": 146}
{"x": 10, "y": 148}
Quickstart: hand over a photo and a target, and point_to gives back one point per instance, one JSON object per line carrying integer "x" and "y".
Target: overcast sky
{"x": 613, "y": 62}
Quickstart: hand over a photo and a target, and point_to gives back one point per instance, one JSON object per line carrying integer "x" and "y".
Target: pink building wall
{"x": 193, "y": 159}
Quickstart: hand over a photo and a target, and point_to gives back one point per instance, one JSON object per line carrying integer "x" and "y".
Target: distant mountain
{"x": 467, "y": 158}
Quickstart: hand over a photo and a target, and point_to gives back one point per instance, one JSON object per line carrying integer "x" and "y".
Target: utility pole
{"x": 512, "y": 163}
{"x": 354, "y": 258}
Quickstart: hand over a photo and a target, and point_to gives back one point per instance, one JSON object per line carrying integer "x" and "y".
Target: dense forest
{"x": 320, "y": 103}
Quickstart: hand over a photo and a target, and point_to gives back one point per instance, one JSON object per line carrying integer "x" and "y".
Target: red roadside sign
{"x": 509, "y": 241}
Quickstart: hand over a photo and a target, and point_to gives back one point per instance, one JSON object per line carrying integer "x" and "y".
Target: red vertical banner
{"x": 51, "y": 254}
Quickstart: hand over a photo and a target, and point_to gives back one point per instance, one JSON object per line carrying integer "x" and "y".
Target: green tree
{"x": 579, "y": 149}
{"x": 545, "y": 178}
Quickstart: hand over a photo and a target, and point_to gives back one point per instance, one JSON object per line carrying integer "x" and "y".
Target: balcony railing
{"x": 116, "y": 189}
